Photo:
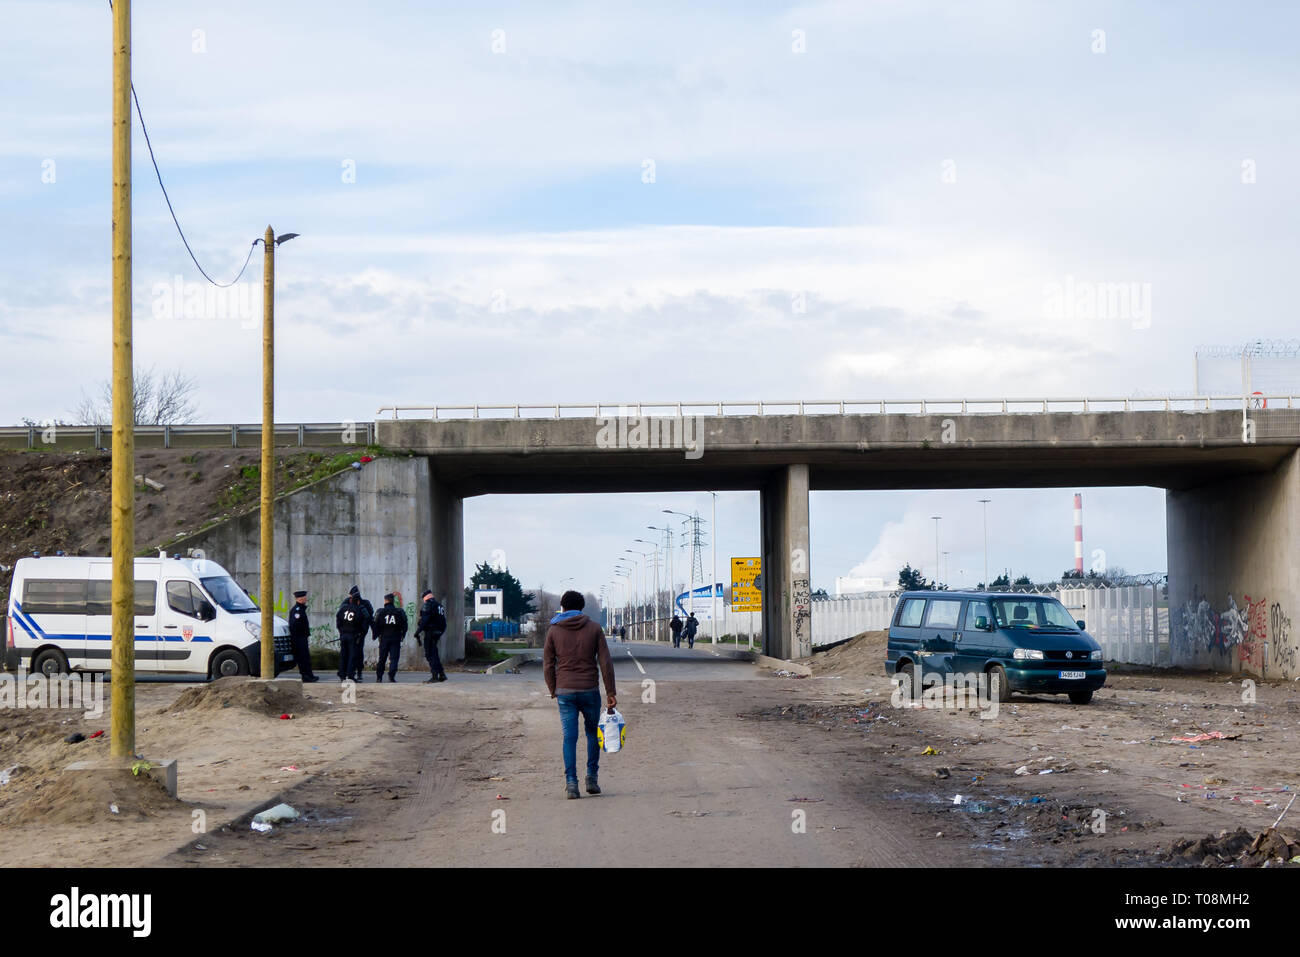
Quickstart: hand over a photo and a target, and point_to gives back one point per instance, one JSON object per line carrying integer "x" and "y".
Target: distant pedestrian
{"x": 299, "y": 632}
{"x": 575, "y": 648}
{"x": 432, "y": 624}
{"x": 622, "y": 632}
{"x": 390, "y": 628}
{"x": 692, "y": 623}
{"x": 675, "y": 626}
{"x": 352, "y": 624}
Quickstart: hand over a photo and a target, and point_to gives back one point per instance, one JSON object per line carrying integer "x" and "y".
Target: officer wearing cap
{"x": 299, "y": 630}
{"x": 359, "y": 646}
{"x": 390, "y": 628}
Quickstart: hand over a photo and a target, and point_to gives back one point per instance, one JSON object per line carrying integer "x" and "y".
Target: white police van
{"x": 191, "y": 617}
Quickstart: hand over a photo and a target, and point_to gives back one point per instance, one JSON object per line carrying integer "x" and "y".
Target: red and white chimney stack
{"x": 1078, "y": 533}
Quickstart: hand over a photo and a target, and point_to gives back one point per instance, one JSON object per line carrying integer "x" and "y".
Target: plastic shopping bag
{"x": 611, "y": 731}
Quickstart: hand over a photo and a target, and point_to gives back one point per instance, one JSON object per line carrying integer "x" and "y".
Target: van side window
{"x": 54, "y": 597}
{"x": 975, "y": 610}
{"x": 910, "y": 616}
{"x": 99, "y": 599}
{"x": 944, "y": 613}
{"x": 181, "y": 598}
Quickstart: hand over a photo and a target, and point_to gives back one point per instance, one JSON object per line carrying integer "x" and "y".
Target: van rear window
{"x": 48, "y": 596}
{"x": 910, "y": 615}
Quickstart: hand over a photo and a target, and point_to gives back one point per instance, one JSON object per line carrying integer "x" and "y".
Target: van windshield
{"x": 227, "y": 594}
{"x": 1040, "y": 613}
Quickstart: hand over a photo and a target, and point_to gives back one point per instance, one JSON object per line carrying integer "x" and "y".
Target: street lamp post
{"x": 936, "y": 549}
{"x": 656, "y": 591}
{"x": 640, "y": 566}
{"x": 985, "y": 502}
{"x": 267, "y": 544}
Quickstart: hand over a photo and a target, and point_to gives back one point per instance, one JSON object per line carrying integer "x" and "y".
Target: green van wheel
{"x": 998, "y": 682}
{"x": 907, "y": 681}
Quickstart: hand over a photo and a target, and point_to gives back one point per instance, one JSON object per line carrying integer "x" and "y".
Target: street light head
{"x": 285, "y": 238}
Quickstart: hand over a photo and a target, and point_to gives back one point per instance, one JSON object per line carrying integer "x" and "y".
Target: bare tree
{"x": 157, "y": 399}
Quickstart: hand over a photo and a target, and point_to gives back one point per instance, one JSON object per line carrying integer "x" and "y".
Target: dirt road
{"x": 725, "y": 765}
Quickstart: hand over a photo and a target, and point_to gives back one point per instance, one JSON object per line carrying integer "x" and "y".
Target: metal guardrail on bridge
{"x": 62, "y": 438}
{"x": 846, "y": 407}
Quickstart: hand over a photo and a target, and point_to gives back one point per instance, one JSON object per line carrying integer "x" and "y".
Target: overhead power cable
{"x": 157, "y": 172}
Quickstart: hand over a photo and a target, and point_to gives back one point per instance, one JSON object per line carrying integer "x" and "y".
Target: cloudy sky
{"x": 583, "y": 202}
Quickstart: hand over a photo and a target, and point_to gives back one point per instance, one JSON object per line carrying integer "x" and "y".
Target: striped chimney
{"x": 1078, "y": 533}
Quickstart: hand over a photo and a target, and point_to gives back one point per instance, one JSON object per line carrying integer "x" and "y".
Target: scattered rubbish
{"x": 139, "y": 766}
{"x": 502, "y": 798}
{"x": 200, "y": 847}
{"x": 289, "y": 767}
{"x": 4, "y": 775}
{"x": 942, "y": 773}
{"x": 259, "y": 826}
{"x": 930, "y": 750}
{"x": 98, "y": 733}
{"x": 1212, "y": 780}
{"x": 285, "y": 717}
{"x": 1023, "y": 769}
{"x": 75, "y": 737}
{"x": 274, "y": 815}
{"x": 1207, "y": 736}
{"x": 1046, "y": 771}
{"x": 496, "y": 778}
{"x": 939, "y": 834}
{"x": 783, "y": 673}
{"x": 956, "y": 799}
{"x": 1283, "y": 814}
{"x": 1036, "y": 799}
{"x": 113, "y": 808}
{"x": 806, "y": 800}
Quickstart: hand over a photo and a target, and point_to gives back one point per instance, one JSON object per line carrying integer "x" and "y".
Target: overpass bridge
{"x": 1230, "y": 468}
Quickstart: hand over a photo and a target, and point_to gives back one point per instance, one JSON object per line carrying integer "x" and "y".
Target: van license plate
{"x": 1076, "y": 675}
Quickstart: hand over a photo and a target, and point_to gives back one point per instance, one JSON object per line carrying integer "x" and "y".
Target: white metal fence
{"x": 834, "y": 619}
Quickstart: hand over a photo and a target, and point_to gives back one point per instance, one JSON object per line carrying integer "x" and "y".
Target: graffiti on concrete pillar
{"x": 1198, "y": 628}
{"x": 1261, "y": 634}
{"x": 1253, "y": 646}
{"x": 801, "y": 606}
{"x": 1280, "y": 641}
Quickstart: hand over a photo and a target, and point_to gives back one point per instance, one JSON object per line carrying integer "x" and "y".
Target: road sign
{"x": 746, "y": 582}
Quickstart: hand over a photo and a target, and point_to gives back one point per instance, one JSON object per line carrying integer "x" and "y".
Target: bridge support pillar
{"x": 1234, "y": 573}
{"x": 787, "y": 592}
{"x": 443, "y": 568}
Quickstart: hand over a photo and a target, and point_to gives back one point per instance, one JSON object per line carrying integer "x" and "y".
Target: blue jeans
{"x": 588, "y": 703}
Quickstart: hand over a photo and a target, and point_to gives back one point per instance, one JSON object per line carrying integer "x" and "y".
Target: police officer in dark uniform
{"x": 351, "y": 623}
{"x": 390, "y": 628}
{"x": 299, "y": 630}
{"x": 368, "y": 611}
{"x": 433, "y": 622}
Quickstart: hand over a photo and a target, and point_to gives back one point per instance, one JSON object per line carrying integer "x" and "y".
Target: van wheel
{"x": 907, "y": 681}
{"x": 1080, "y": 697}
{"x": 229, "y": 663}
{"x": 50, "y": 662}
{"x": 998, "y": 683}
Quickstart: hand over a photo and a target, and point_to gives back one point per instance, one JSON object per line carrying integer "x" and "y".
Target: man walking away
{"x": 575, "y": 647}
{"x": 349, "y": 621}
{"x": 390, "y": 628}
{"x": 299, "y": 630}
{"x": 368, "y": 616}
{"x": 675, "y": 626}
{"x": 433, "y": 622}
{"x": 692, "y": 623}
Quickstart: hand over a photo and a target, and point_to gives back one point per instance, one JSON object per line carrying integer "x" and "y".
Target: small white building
{"x": 489, "y": 603}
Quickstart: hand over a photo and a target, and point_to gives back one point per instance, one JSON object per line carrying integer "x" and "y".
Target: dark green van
{"x": 1021, "y": 642}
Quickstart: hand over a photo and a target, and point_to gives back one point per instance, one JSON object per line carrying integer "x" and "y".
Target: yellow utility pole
{"x": 268, "y": 456}
{"x": 122, "y": 740}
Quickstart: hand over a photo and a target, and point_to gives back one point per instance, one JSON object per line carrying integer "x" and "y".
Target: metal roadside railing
{"x": 597, "y": 410}
{"x": 89, "y": 437}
